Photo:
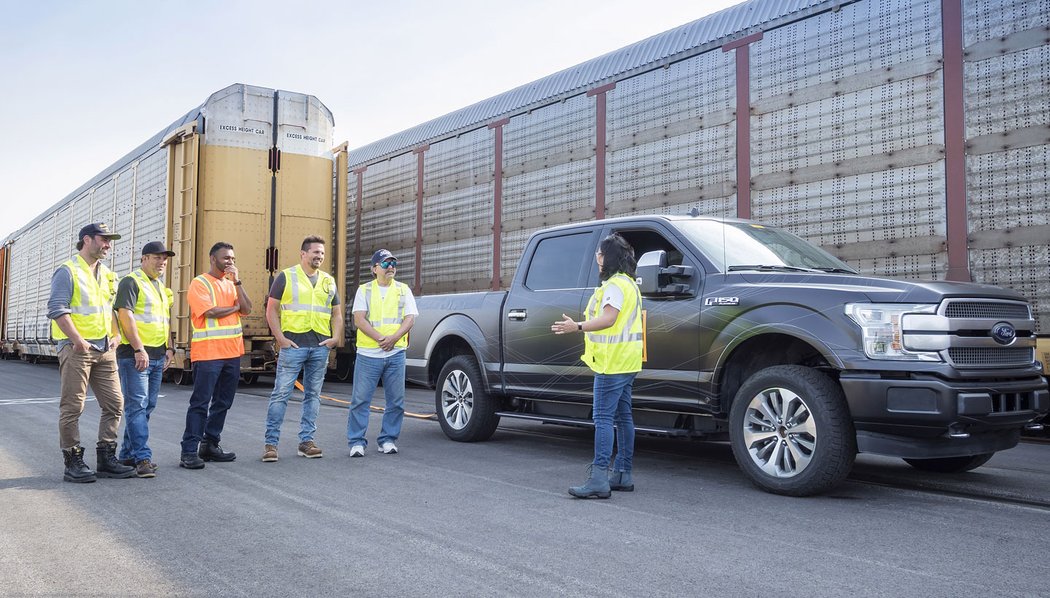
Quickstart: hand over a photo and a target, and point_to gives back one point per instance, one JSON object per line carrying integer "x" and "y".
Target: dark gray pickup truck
{"x": 751, "y": 334}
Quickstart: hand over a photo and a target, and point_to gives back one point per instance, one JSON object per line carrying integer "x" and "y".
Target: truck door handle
{"x": 517, "y": 314}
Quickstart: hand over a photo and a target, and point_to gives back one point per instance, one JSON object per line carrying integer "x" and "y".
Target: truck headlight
{"x": 880, "y": 325}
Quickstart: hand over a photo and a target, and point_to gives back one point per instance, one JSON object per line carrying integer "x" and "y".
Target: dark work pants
{"x": 214, "y": 385}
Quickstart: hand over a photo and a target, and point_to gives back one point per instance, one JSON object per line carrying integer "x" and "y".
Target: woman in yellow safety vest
{"x": 613, "y": 350}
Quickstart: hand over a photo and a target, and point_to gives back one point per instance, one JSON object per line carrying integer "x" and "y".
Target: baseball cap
{"x": 99, "y": 229}
{"x": 381, "y": 255}
{"x": 156, "y": 248}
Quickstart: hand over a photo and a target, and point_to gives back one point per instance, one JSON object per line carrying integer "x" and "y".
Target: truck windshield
{"x": 749, "y": 246}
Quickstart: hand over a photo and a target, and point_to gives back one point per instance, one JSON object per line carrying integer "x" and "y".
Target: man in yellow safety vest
{"x": 143, "y": 306}
{"x": 81, "y": 311}
{"x": 384, "y": 311}
{"x": 306, "y": 318}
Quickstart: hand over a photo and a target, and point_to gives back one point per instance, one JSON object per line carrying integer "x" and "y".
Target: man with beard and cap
{"x": 81, "y": 311}
{"x": 306, "y": 318}
{"x": 143, "y": 306}
{"x": 384, "y": 311}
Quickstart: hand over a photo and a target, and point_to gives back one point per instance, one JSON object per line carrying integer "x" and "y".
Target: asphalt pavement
{"x": 489, "y": 519}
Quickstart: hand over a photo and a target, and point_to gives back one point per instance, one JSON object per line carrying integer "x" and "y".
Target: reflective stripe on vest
{"x": 212, "y": 329}
{"x": 305, "y": 307}
{"x": 385, "y": 314}
{"x": 152, "y": 311}
{"x": 91, "y": 304}
{"x": 618, "y": 348}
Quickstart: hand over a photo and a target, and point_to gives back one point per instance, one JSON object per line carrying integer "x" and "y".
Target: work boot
{"x": 597, "y": 485}
{"x": 107, "y": 465}
{"x": 621, "y": 481}
{"x": 76, "y": 470}
{"x": 144, "y": 469}
{"x": 191, "y": 461}
{"x": 211, "y": 451}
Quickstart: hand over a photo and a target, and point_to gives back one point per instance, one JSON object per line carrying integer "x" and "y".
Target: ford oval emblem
{"x": 1004, "y": 333}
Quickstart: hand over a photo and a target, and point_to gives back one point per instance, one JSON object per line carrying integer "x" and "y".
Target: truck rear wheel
{"x": 465, "y": 410}
{"x": 950, "y": 464}
{"x": 791, "y": 431}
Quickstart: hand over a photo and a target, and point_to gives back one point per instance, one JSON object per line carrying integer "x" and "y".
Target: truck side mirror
{"x": 655, "y": 276}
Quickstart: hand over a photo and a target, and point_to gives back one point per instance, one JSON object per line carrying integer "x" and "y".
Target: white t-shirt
{"x": 361, "y": 305}
{"x": 612, "y": 295}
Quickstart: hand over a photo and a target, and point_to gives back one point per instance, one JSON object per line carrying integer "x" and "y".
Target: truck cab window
{"x": 644, "y": 241}
{"x": 558, "y": 262}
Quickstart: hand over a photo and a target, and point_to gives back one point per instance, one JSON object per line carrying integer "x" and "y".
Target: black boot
{"x": 211, "y": 451}
{"x": 76, "y": 470}
{"x": 107, "y": 464}
{"x": 190, "y": 460}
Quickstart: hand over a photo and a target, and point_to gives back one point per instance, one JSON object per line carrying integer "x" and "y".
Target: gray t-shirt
{"x": 58, "y": 304}
{"x": 127, "y": 297}
{"x": 303, "y": 339}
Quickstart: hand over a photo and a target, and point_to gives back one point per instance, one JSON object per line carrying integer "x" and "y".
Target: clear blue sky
{"x": 87, "y": 81}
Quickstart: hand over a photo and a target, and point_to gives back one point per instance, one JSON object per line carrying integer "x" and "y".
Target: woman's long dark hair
{"x": 617, "y": 256}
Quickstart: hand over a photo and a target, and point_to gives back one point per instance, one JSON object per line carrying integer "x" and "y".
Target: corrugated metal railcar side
{"x": 908, "y": 137}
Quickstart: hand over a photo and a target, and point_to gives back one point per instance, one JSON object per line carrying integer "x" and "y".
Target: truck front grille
{"x": 987, "y": 309}
{"x": 991, "y": 356}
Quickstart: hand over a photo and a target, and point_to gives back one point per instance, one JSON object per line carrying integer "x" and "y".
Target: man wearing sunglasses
{"x": 384, "y": 311}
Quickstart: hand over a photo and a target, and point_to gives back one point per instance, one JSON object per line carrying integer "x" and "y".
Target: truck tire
{"x": 791, "y": 432}
{"x": 465, "y": 410}
{"x": 950, "y": 464}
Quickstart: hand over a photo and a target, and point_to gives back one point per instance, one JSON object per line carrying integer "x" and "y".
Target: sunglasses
{"x": 388, "y": 264}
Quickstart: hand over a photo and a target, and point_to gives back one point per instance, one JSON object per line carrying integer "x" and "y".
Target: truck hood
{"x": 876, "y": 290}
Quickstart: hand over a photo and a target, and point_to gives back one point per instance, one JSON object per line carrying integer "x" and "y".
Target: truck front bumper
{"x": 925, "y": 417}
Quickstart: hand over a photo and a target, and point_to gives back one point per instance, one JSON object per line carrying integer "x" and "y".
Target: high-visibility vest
{"x": 212, "y": 330}
{"x": 91, "y": 306}
{"x": 304, "y": 307}
{"x": 618, "y": 348}
{"x": 152, "y": 312}
{"x": 385, "y": 314}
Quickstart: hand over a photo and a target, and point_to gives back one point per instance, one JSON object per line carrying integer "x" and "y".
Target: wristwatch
{"x": 140, "y": 350}
{"x": 238, "y": 283}
{"x": 579, "y": 326}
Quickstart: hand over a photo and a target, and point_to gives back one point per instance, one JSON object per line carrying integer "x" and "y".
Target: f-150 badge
{"x": 722, "y": 301}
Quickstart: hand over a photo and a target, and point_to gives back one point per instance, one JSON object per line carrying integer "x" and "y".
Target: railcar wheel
{"x": 950, "y": 464}
{"x": 791, "y": 432}
{"x": 464, "y": 408}
{"x": 182, "y": 377}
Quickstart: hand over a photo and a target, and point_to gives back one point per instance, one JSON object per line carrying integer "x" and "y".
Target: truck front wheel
{"x": 791, "y": 431}
{"x": 950, "y": 464}
{"x": 465, "y": 410}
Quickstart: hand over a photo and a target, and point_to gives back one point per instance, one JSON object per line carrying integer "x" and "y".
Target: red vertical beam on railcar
{"x": 357, "y": 226}
{"x": 497, "y": 200}
{"x": 600, "y": 131}
{"x": 743, "y": 121}
{"x": 419, "y": 151}
{"x": 954, "y": 142}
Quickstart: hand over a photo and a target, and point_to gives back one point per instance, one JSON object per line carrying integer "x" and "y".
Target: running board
{"x": 554, "y": 419}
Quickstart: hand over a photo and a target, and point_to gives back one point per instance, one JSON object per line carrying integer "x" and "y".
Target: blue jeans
{"x": 214, "y": 385}
{"x": 612, "y": 404}
{"x": 367, "y": 373}
{"x": 140, "y": 397}
{"x": 312, "y": 361}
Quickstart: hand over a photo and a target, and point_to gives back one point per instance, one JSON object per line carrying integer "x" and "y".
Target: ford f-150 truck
{"x": 751, "y": 334}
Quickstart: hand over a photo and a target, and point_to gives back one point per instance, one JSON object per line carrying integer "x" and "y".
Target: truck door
{"x": 552, "y": 284}
{"x": 669, "y": 379}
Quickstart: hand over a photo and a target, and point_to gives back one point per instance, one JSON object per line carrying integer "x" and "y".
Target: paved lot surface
{"x": 493, "y": 518}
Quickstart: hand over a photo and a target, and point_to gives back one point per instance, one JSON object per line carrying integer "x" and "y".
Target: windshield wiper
{"x": 837, "y": 270}
{"x": 769, "y": 268}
